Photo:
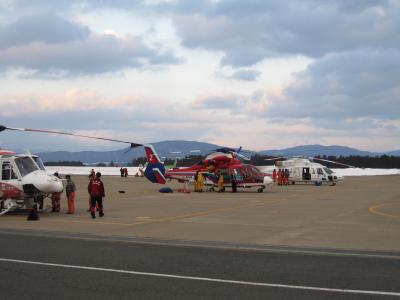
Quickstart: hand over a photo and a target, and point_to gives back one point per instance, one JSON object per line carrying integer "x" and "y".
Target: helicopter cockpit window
{"x": 328, "y": 171}
{"x": 237, "y": 175}
{"x": 7, "y": 172}
{"x": 39, "y": 162}
{"x": 25, "y": 165}
{"x": 255, "y": 171}
{"x": 320, "y": 172}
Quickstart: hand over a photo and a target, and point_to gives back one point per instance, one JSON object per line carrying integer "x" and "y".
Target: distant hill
{"x": 313, "y": 150}
{"x": 394, "y": 153}
{"x": 165, "y": 148}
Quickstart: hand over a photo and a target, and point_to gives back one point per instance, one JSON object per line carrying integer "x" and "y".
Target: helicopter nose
{"x": 51, "y": 185}
{"x": 267, "y": 180}
{"x": 44, "y": 182}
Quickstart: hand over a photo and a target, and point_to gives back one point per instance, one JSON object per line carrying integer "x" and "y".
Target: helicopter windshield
{"x": 25, "y": 165}
{"x": 40, "y": 163}
{"x": 328, "y": 171}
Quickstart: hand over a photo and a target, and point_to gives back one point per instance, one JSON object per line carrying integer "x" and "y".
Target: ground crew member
{"x": 70, "y": 191}
{"x": 200, "y": 182}
{"x": 91, "y": 178}
{"x": 233, "y": 183}
{"x": 55, "y": 199}
{"x": 287, "y": 174}
{"x": 220, "y": 182}
{"x": 196, "y": 180}
{"x": 279, "y": 177}
{"x": 274, "y": 175}
{"x": 96, "y": 191}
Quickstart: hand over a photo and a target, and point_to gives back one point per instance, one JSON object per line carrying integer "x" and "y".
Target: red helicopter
{"x": 223, "y": 160}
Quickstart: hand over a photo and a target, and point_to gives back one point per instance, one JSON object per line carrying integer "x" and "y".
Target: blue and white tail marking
{"x": 155, "y": 169}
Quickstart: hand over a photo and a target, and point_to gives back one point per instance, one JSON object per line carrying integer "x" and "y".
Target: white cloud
{"x": 53, "y": 47}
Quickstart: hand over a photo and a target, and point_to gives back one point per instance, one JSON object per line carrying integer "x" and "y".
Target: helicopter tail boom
{"x": 155, "y": 170}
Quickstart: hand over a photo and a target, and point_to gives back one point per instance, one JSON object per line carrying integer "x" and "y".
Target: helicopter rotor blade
{"x": 242, "y": 156}
{"x": 275, "y": 158}
{"x": 132, "y": 145}
{"x": 334, "y": 162}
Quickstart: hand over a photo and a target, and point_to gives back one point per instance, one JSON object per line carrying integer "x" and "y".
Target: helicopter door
{"x": 306, "y": 174}
{"x": 321, "y": 174}
{"x": 7, "y": 172}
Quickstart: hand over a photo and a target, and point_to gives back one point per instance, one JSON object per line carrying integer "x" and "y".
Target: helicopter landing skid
{"x": 7, "y": 205}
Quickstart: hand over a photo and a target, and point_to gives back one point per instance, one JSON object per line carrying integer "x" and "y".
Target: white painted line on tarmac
{"x": 260, "y": 284}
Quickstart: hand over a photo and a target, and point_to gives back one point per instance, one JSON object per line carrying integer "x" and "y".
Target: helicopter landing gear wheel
{"x": 260, "y": 190}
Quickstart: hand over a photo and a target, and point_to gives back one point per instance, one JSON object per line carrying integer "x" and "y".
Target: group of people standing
{"x": 199, "y": 182}
{"x": 281, "y": 177}
{"x": 124, "y": 172}
{"x": 95, "y": 190}
{"x": 70, "y": 189}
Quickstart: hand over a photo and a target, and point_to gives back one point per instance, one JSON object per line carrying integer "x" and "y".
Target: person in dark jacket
{"x": 70, "y": 189}
{"x": 96, "y": 191}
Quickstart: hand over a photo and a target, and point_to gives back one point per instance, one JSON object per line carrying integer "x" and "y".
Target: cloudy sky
{"x": 260, "y": 73}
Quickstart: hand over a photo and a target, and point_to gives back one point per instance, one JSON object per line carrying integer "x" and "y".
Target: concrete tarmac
{"x": 51, "y": 266}
{"x": 359, "y": 213}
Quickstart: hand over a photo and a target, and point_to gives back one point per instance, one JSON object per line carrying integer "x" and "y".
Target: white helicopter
{"x": 23, "y": 176}
{"x": 305, "y": 170}
{"x": 23, "y": 180}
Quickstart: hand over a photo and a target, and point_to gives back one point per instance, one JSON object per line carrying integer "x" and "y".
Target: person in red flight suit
{"x": 274, "y": 175}
{"x": 96, "y": 191}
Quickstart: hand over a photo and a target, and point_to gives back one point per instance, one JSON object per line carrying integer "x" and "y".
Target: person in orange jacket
{"x": 70, "y": 189}
{"x": 279, "y": 177}
{"x": 274, "y": 175}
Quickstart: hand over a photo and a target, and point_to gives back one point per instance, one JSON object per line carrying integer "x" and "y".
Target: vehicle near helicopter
{"x": 224, "y": 160}
{"x": 23, "y": 180}
{"x": 306, "y": 170}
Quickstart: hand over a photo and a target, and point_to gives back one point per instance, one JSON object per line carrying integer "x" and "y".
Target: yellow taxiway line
{"x": 374, "y": 210}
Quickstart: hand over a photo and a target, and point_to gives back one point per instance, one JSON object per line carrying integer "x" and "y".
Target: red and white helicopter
{"x": 24, "y": 179}
{"x": 223, "y": 160}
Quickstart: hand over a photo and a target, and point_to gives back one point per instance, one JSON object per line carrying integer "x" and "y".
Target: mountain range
{"x": 180, "y": 148}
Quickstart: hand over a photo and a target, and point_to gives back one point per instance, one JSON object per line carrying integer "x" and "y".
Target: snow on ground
{"x": 133, "y": 170}
{"x": 366, "y": 172}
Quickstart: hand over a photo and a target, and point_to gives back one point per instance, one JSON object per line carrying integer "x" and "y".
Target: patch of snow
{"x": 366, "y": 172}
